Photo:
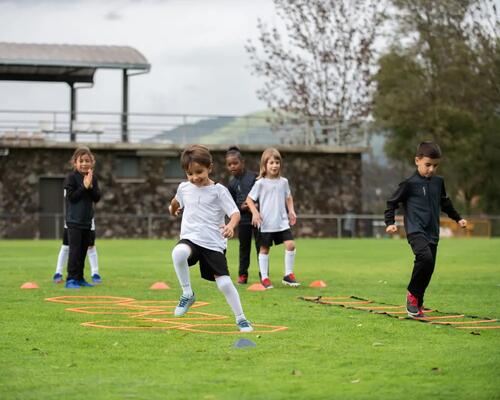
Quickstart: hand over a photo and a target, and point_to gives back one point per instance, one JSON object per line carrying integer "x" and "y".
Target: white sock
{"x": 94, "y": 266}
{"x": 264, "y": 265}
{"x": 289, "y": 261}
{"x": 62, "y": 259}
{"x": 226, "y": 286}
{"x": 180, "y": 255}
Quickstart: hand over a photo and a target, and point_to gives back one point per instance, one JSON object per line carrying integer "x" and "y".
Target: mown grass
{"x": 327, "y": 352}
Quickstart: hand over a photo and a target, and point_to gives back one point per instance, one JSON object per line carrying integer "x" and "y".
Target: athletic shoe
{"x": 96, "y": 278}
{"x": 72, "y": 284}
{"x": 244, "y": 325}
{"x": 83, "y": 282}
{"x": 412, "y": 306}
{"x": 290, "y": 280}
{"x": 184, "y": 304}
{"x": 267, "y": 283}
{"x": 58, "y": 278}
{"x": 243, "y": 279}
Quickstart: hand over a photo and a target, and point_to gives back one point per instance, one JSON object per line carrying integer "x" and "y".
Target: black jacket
{"x": 422, "y": 199}
{"x": 79, "y": 201}
{"x": 239, "y": 187}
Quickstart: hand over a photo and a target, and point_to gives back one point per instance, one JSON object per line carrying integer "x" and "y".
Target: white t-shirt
{"x": 271, "y": 194}
{"x": 204, "y": 209}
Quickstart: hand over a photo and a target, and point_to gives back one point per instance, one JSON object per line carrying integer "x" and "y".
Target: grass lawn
{"x": 327, "y": 352}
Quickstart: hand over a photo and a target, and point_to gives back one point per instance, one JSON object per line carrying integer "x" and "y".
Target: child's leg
{"x": 83, "y": 252}
{"x": 423, "y": 266}
{"x": 94, "y": 266}
{"x": 245, "y": 238}
{"x": 289, "y": 256}
{"x": 180, "y": 255}
{"x": 62, "y": 258}
{"x": 75, "y": 239}
{"x": 264, "y": 262}
{"x": 227, "y": 287}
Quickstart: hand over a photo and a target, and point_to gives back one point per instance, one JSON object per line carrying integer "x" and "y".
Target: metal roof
{"x": 64, "y": 62}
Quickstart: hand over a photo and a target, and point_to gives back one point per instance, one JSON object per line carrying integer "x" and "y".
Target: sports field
{"x": 326, "y": 352}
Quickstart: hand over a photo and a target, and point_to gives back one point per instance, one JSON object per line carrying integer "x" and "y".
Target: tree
{"x": 320, "y": 70}
{"x": 443, "y": 85}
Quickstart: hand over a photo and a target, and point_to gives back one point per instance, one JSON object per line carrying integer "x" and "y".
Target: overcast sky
{"x": 195, "y": 47}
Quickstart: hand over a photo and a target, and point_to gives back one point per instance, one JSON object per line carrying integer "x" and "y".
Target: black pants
{"x": 423, "y": 266}
{"x": 79, "y": 240}
{"x": 245, "y": 236}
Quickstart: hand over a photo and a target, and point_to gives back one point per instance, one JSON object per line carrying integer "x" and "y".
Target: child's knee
{"x": 181, "y": 252}
{"x": 290, "y": 245}
{"x": 264, "y": 250}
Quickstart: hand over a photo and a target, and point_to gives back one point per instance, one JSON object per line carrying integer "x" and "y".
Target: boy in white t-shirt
{"x": 272, "y": 192}
{"x": 204, "y": 205}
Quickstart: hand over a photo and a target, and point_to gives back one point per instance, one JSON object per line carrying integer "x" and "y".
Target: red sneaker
{"x": 243, "y": 279}
{"x": 412, "y": 306}
{"x": 267, "y": 283}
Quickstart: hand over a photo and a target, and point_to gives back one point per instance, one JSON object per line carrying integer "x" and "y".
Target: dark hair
{"x": 81, "y": 151}
{"x": 428, "y": 149}
{"x": 234, "y": 151}
{"x": 198, "y": 154}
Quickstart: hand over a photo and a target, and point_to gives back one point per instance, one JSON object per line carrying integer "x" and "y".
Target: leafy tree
{"x": 318, "y": 67}
{"x": 443, "y": 84}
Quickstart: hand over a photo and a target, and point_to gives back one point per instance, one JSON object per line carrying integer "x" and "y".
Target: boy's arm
{"x": 291, "y": 210}
{"x": 228, "y": 229}
{"x": 174, "y": 207}
{"x": 255, "y": 213}
{"x": 447, "y": 207}
{"x": 397, "y": 197}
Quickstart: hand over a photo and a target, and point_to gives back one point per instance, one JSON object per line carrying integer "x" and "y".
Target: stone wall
{"x": 323, "y": 181}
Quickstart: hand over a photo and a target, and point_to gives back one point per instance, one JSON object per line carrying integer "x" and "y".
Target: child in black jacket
{"x": 423, "y": 196}
{"x": 81, "y": 191}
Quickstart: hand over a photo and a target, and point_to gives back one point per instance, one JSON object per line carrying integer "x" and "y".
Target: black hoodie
{"x": 79, "y": 201}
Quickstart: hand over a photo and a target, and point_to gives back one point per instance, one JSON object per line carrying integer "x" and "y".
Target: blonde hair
{"x": 81, "y": 151}
{"x": 266, "y": 155}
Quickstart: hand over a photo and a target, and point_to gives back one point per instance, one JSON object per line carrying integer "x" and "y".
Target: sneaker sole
{"x": 296, "y": 284}
{"x": 246, "y": 330}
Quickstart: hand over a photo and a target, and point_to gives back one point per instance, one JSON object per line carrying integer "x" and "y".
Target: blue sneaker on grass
{"x": 58, "y": 278}
{"x": 184, "y": 304}
{"x": 96, "y": 278}
{"x": 244, "y": 325}
{"x": 83, "y": 282}
{"x": 72, "y": 284}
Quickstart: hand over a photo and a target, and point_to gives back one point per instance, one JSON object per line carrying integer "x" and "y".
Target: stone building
{"x": 138, "y": 181}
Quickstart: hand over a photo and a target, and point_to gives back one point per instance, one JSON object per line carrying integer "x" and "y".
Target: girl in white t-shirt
{"x": 204, "y": 205}
{"x": 273, "y": 194}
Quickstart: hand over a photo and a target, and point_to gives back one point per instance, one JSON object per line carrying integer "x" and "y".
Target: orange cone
{"x": 318, "y": 284}
{"x": 159, "y": 286}
{"x": 256, "y": 287}
{"x": 29, "y": 285}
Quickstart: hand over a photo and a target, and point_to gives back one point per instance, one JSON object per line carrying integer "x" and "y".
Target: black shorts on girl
{"x": 66, "y": 242}
{"x": 266, "y": 239}
{"x": 211, "y": 262}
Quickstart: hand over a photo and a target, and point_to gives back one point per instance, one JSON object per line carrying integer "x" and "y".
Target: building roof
{"x": 64, "y": 62}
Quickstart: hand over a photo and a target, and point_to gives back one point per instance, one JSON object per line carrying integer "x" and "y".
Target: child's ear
{"x": 417, "y": 159}
{"x": 210, "y": 168}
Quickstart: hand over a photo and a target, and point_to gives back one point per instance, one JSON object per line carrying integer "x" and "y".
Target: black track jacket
{"x": 79, "y": 201}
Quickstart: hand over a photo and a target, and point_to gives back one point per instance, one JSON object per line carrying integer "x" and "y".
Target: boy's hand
{"x": 391, "y": 229}
{"x": 227, "y": 231}
{"x": 462, "y": 223}
{"x": 292, "y": 217}
{"x": 87, "y": 180}
{"x": 256, "y": 220}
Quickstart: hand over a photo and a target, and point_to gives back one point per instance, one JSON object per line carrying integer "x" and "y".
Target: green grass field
{"x": 328, "y": 352}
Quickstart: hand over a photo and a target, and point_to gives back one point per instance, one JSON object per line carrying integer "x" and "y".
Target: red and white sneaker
{"x": 267, "y": 283}
{"x": 289, "y": 280}
{"x": 242, "y": 279}
{"x": 412, "y": 308}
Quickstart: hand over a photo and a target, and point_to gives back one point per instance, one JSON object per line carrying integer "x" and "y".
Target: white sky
{"x": 195, "y": 47}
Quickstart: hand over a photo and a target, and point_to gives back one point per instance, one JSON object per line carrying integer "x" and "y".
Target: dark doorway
{"x": 51, "y": 208}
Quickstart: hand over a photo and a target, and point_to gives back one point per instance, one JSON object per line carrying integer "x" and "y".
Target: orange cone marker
{"x": 318, "y": 284}
{"x": 159, "y": 286}
{"x": 29, "y": 285}
{"x": 256, "y": 287}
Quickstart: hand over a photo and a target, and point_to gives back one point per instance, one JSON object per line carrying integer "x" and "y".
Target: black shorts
{"x": 65, "y": 238}
{"x": 211, "y": 262}
{"x": 266, "y": 239}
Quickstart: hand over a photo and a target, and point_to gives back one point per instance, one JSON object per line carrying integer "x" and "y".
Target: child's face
{"x": 273, "y": 166}
{"x": 426, "y": 166}
{"x": 84, "y": 164}
{"x": 197, "y": 174}
{"x": 234, "y": 165}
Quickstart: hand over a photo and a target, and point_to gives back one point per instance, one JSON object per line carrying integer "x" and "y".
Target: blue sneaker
{"x": 57, "y": 278}
{"x": 244, "y": 325}
{"x": 96, "y": 278}
{"x": 72, "y": 284}
{"x": 83, "y": 282}
{"x": 184, "y": 304}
